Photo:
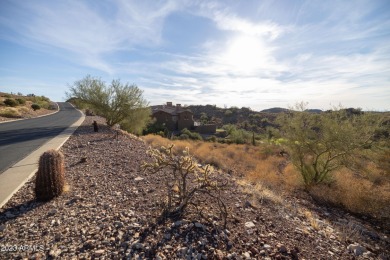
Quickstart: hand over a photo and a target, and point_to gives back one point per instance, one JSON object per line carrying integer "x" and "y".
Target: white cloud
{"x": 326, "y": 52}
{"x": 233, "y": 23}
{"x": 84, "y": 32}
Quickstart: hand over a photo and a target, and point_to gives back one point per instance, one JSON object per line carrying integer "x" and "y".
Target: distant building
{"x": 176, "y": 118}
{"x": 173, "y": 117}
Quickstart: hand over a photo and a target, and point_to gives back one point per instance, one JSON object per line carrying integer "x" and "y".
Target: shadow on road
{"x": 22, "y": 135}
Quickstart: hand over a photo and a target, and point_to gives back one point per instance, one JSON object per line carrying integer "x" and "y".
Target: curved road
{"x": 20, "y": 138}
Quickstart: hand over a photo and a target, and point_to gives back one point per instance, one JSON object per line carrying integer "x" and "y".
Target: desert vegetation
{"x": 119, "y": 103}
{"x": 319, "y": 144}
{"x": 338, "y": 157}
{"x": 24, "y": 106}
{"x": 50, "y": 178}
{"x": 187, "y": 180}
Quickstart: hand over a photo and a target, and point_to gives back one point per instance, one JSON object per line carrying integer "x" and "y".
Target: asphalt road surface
{"x": 19, "y": 138}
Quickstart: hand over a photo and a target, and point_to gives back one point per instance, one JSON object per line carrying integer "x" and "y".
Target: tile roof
{"x": 170, "y": 110}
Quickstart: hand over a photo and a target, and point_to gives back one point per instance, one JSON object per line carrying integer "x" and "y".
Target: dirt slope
{"x": 111, "y": 208}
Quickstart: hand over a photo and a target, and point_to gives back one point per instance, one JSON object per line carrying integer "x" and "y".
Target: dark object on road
{"x": 50, "y": 180}
{"x": 95, "y": 126}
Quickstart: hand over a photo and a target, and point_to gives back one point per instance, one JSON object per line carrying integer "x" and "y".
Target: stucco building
{"x": 173, "y": 117}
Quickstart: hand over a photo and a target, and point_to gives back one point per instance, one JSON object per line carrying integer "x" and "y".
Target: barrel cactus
{"x": 50, "y": 178}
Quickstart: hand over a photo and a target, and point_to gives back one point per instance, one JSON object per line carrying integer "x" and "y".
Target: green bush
{"x": 42, "y": 101}
{"x": 212, "y": 138}
{"x": 196, "y": 136}
{"x": 21, "y": 101}
{"x": 238, "y": 136}
{"x": 161, "y": 133}
{"x": 228, "y": 113}
{"x": 35, "y": 107}
{"x": 184, "y": 137}
{"x": 10, "y": 102}
{"x": 191, "y": 135}
{"x": 319, "y": 144}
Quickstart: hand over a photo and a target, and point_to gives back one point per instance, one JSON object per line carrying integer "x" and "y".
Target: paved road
{"x": 20, "y": 138}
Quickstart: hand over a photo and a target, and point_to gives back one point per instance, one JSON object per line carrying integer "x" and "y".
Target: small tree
{"x": 321, "y": 143}
{"x": 204, "y": 118}
{"x": 137, "y": 121}
{"x": 116, "y": 102}
{"x": 186, "y": 177}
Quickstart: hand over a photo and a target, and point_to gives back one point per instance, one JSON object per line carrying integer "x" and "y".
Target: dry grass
{"x": 10, "y": 112}
{"x": 22, "y": 111}
{"x": 66, "y": 188}
{"x": 259, "y": 193}
{"x": 261, "y": 179}
{"x": 244, "y": 160}
{"x": 312, "y": 220}
{"x": 357, "y": 194}
{"x": 270, "y": 173}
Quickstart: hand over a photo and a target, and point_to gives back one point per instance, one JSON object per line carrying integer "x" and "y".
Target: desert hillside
{"x": 112, "y": 209}
{"x": 18, "y": 106}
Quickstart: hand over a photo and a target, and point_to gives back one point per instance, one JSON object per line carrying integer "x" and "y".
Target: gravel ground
{"x": 111, "y": 208}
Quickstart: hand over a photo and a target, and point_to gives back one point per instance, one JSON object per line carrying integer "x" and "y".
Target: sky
{"x": 243, "y": 53}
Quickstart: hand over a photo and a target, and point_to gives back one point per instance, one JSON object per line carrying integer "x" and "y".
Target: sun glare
{"x": 245, "y": 54}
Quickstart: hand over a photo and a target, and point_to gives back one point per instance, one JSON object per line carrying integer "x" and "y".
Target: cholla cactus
{"x": 187, "y": 178}
{"x": 50, "y": 178}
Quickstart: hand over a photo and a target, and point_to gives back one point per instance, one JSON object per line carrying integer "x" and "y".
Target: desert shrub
{"x": 21, "y": 101}
{"x": 191, "y": 135}
{"x": 212, "y": 138}
{"x": 10, "y": 113}
{"x": 42, "y": 101}
{"x": 137, "y": 121}
{"x": 228, "y": 113}
{"x": 237, "y": 136}
{"x": 185, "y": 178}
{"x": 154, "y": 127}
{"x": 319, "y": 144}
{"x": 184, "y": 137}
{"x": 46, "y": 99}
{"x": 44, "y": 104}
{"x": 10, "y": 102}
{"x": 35, "y": 106}
{"x": 196, "y": 136}
{"x": 161, "y": 133}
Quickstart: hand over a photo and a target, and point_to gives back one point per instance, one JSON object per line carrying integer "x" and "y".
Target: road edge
{"x": 17, "y": 175}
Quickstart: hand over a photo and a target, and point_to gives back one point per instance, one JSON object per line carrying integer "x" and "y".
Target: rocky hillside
{"x": 16, "y": 106}
{"x": 111, "y": 208}
{"x": 243, "y": 118}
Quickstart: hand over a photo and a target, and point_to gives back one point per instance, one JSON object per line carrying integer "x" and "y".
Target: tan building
{"x": 173, "y": 117}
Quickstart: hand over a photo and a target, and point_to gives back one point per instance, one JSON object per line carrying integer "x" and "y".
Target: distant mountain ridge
{"x": 275, "y": 110}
